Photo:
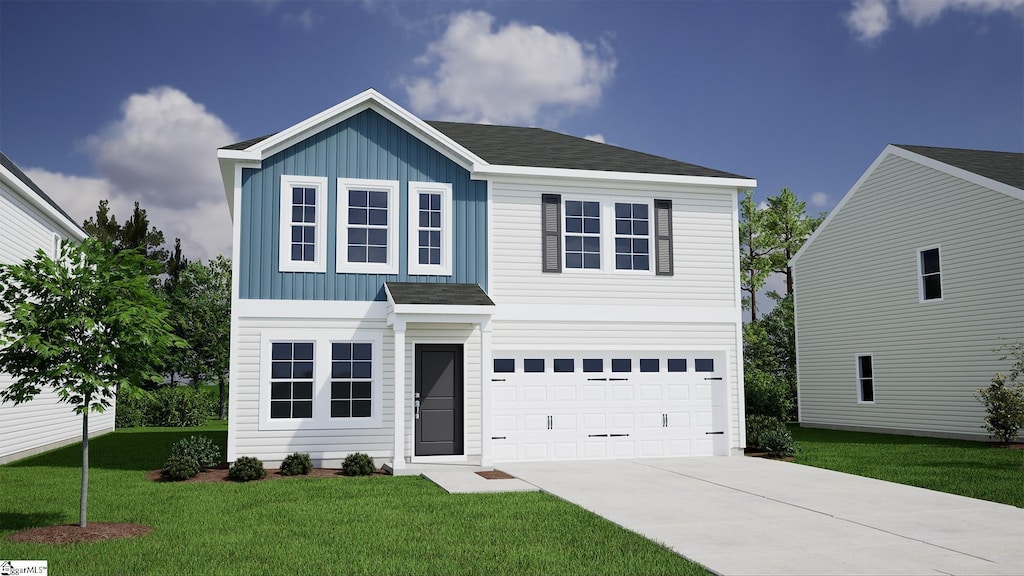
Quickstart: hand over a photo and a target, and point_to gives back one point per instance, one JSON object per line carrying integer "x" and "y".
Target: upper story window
{"x": 367, "y": 226}
{"x": 303, "y": 224}
{"x": 576, "y": 235}
{"x": 930, "y": 268}
{"x": 430, "y": 228}
{"x": 865, "y": 379}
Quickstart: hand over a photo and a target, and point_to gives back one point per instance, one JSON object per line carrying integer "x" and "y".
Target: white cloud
{"x": 161, "y": 153}
{"x": 762, "y": 205}
{"x": 306, "y": 19}
{"x": 819, "y": 199}
{"x": 510, "y": 75}
{"x": 869, "y": 19}
{"x": 595, "y": 138}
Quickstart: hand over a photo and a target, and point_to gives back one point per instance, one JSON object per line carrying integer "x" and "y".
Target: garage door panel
{"x": 505, "y": 423}
{"x": 564, "y": 393}
{"x": 622, "y": 392}
{"x": 594, "y": 421}
{"x": 595, "y": 449}
{"x": 623, "y": 448}
{"x": 566, "y": 450}
{"x": 652, "y": 448}
{"x": 593, "y": 393}
{"x": 677, "y": 392}
{"x": 535, "y": 393}
{"x": 622, "y": 421}
{"x": 650, "y": 392}
{"x": 503, "y": 395}
{"x": 650, "y": 420}
{"x": 534, "y": 422}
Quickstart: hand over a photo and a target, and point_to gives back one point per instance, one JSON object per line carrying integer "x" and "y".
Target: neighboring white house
{"x": 905, "y": 290}
{"x": 30, "y": 221}
{"x": 437, "y": 291}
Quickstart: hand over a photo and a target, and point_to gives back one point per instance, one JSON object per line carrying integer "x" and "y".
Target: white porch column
{"x": 486, "y": 367}
{"x": 400, "y": 395}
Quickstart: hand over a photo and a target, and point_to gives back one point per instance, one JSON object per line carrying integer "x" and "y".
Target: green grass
{"x": 375, "y": 525}
{"x": 974, "y": 469}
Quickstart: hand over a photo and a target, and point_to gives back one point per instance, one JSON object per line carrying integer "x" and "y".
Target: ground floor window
{"x": 865, "y": 379}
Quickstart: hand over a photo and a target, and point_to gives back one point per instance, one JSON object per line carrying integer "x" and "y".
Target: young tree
{"x": 757, "y": 245}
{"x": 134, "y": 234}
{"x": 201, "y": 310}
{"x": 87, "y": 325}
{"x": 789, "y": 227}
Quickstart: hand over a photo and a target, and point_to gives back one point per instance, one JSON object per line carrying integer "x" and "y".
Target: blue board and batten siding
{"x": 364, "y": 146}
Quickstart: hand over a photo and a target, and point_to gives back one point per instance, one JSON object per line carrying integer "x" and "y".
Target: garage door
{"x": 608, "y": 405}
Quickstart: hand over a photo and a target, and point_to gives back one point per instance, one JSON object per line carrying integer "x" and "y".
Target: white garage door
{"x": 608, "y": 405}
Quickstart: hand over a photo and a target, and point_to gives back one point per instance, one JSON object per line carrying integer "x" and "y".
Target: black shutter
{"x": 663, "y": 237}
{"x": 551, "y": 230}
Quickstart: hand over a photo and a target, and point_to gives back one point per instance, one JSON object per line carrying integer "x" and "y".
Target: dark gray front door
{"x": 439, "y": 393}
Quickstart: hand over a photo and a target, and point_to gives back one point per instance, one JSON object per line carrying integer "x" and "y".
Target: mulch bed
{"x": 494, "y": 475}
{"x": 755, "y": 453}
{"x": 75, "y": 534}
{"x": 220, "y": 474}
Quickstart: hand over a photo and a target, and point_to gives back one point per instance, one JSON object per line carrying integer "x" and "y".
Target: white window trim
{"x": 57, "y": 239}
{"x": 856, "y": 368}
{"x": 341, "y": 254}
{"x": 447, "y": 251}
{"x": 920, "y": 276}
{"x": 322, "y": 340}
{"x": 607, "y": 212}
{"x": 285, "y": 262}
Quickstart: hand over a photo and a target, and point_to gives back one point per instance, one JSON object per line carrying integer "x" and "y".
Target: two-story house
{"x": 437, "y": 291}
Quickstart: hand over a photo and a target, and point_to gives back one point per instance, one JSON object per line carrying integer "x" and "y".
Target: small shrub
{"x": 766, "y": 395}
{"x": 179, "y": 468}
{"x": 247, "y": 468}
{"x": 201, "y": 449}
{"x": 358, "y": 464}
{"x": 1004, "y": 404}
{"x": 297, "y": 463}
{"x": 758, "y": 426}
{"x": 778, "y": 443}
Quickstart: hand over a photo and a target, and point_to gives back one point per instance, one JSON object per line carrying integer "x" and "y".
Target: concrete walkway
{"x": 741, "y": 515}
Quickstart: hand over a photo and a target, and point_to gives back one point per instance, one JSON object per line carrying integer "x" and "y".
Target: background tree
{"x": 176, "y": 264}
{"x": 790, "y": 227}
{"x": 201, "y": 310}
{"x": 757, "y": 245}
{"x": 135, "y": 234}
{"x": 87, "y": 325}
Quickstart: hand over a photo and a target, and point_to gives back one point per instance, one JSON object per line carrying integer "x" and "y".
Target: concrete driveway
{"x": 740, "y": 515}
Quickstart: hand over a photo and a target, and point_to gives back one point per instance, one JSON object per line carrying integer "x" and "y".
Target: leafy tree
{"x": 1004, "y": 398}
{"x": 789, "y": 228}
{"x": 757, "y": 245}
{"x": 86, "y": 325}
{"x": 769, "y": 361}
{"x": 201, "y": 311}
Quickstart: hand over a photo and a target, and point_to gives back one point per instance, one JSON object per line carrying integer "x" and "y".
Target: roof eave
{"x": 493, "y": 170}
{"x": 21, "y": 188}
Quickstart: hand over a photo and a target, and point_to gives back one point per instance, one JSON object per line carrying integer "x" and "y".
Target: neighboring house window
{"x": 865, "y": 379}
{"x": 351, "y": 379}
{"x": 367, "y": 226}
{"x": 930, "y": 268}
{"x": 430, "y": 228}
{"x": 582, "y": 235}
{"x": 303, "y": 224}
{"x": 291, "y": 380}
{"x": 632, "y": 236}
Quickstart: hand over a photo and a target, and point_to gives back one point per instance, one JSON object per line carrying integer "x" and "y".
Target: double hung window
{"x": 303, "y": 224}
{"x": 430, "y": 228}
{"x": 930, "y": 271}
{"x": 367, "y": 226}
{"x": 865, "y": 379}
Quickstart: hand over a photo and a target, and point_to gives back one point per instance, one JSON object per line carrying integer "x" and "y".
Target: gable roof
{"x": 1005, "y": 167}
{"x": 1001, "y": 172}
{"x": 31, "y": 188}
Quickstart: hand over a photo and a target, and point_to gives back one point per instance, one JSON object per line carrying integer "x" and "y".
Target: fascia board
{"x": 483, "y": 172}
{"x": 22, "y": 189}
{"x": 967, "y": 175}
{"x": 441, "y": 310}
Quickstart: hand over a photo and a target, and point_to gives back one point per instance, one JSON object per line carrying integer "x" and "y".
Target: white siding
{"x": 857, "y": 293}
{"x": 44, "y": 422}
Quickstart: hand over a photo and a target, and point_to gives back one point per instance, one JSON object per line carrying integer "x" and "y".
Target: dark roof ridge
{"x": 20, "y": 175}
{"x": 1004, "y": 167}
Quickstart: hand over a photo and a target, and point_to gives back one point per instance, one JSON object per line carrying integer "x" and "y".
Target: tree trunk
{"x": 789, "y": 274}
{"x": 753, "y": 305}
{"x": 223, "y": 385}
{"x": 85, "y": 462}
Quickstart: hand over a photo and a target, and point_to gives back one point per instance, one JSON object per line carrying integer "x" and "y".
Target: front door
{"x": 438, "y": 399}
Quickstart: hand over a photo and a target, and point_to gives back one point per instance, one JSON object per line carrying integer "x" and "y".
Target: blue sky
{"x": 129, "y": 100}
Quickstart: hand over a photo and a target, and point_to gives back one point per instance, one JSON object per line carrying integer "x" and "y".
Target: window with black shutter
{"x": 663, "y": 237}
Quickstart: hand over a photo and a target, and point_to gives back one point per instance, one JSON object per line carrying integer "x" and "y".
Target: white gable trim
{"x": 32, "y": 198}
{"x": 919, "y": 159}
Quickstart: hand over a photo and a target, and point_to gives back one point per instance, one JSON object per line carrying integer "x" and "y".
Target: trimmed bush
{"x": 130, "y": 411}
{"x": 358, "y": 464}
{"x": 1004, "y": 407}
{"x": 759, "y": 426}
{"x": 247, "y": 468}
{"x": 179, "y": 406}
{"x": 201, "y": 449}
{"x": 297, "y": 463}
{"x": 179, "y": 468}
{"x": 778, "y": 443}
{"x": 766, "y": 395}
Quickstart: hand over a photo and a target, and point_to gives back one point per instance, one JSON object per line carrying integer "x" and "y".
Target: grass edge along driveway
{"x": 379, "y": 525}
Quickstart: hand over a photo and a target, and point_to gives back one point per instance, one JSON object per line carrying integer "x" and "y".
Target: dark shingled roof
{"x": 10, "y": 165}
{"x": 1005, "y": 167}
{"x": 536, "y": 147}
{"x": 435, "y": 293}
{"x": 539, "y": 148}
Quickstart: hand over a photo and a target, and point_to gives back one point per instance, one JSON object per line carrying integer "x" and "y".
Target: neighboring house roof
{"x": 441, "y": 294}
{"x": 1005, "y": 167}
{"x": 29, "y": 186}
{"x": 999, "y": 171}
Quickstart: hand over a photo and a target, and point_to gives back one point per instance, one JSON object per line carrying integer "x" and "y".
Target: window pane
{"x": 379, "y": 199}
{"x": 360, "y": 408}
{"x": 573, "y": 208}
{"x": 677, "y": 364}
{"x": 867, "y": 390}
{"x": 592, "y": 261}
{"x": 704, "y": 365}
{"x": 574, "y": 225}
{"x": 302, "y": 390}
{"x": 650, "y": 365}
{"x": 341, "y": 409}
{"x": 280, "y": 370}
{"x": 930, "y": 261}
{"x": 341, "y": 369}
{"x": 565, "y": 365}
{"x": 593, "y": 365}
{"x": 504, "y": 365}
{"x": 622, "y": 365}
{"x": 591, "y": 226}
{"x": 357, "y": 235}
{"x": 303, "y": 409}
{"x": 574, "y": 261}
{"x": 360, "y": 389}
{"x": 357, "y": 198}
{"x": 280, "y": 390}
{"x": 341, "y": 390}
{"x": 303, "y": 350}
{"x": 281, "y": 409}
{"x": 297, "y": 196}
{"x": 297, "y": 234}
{"x": 377, "y": 254}
{"x": 356, "y": 216}
{"x": 281, "y": 351}
{"x": 378, "y": 217}
{"x": 640, "y": 226}
{"x": 356, "y": 254}
{"x": 362, "y": 369}
{"x": 592, "y": 209}
{"x": 640, "y": 211}
{"x": 435, "y": 219}
{"x": 641, "y": 263}
{"x": 533, "y": 365}
{"x": 865, "y": 366}
{"x": 362, "y": 351}
{"x": 932, "y": 286}
{"x": 297, "y": 252}
{"x": 623, "y": 262}
{"x": 341, "y": 351}
{"x": 302, "y": 370}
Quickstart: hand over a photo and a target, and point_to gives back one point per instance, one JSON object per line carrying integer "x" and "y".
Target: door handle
{"x": 416, "y": 409}
{"x": 714, "y": 432}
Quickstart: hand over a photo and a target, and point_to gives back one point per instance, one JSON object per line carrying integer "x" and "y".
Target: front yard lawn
{"x": 974, "y": 469}
{"x": 374, "y": 525}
